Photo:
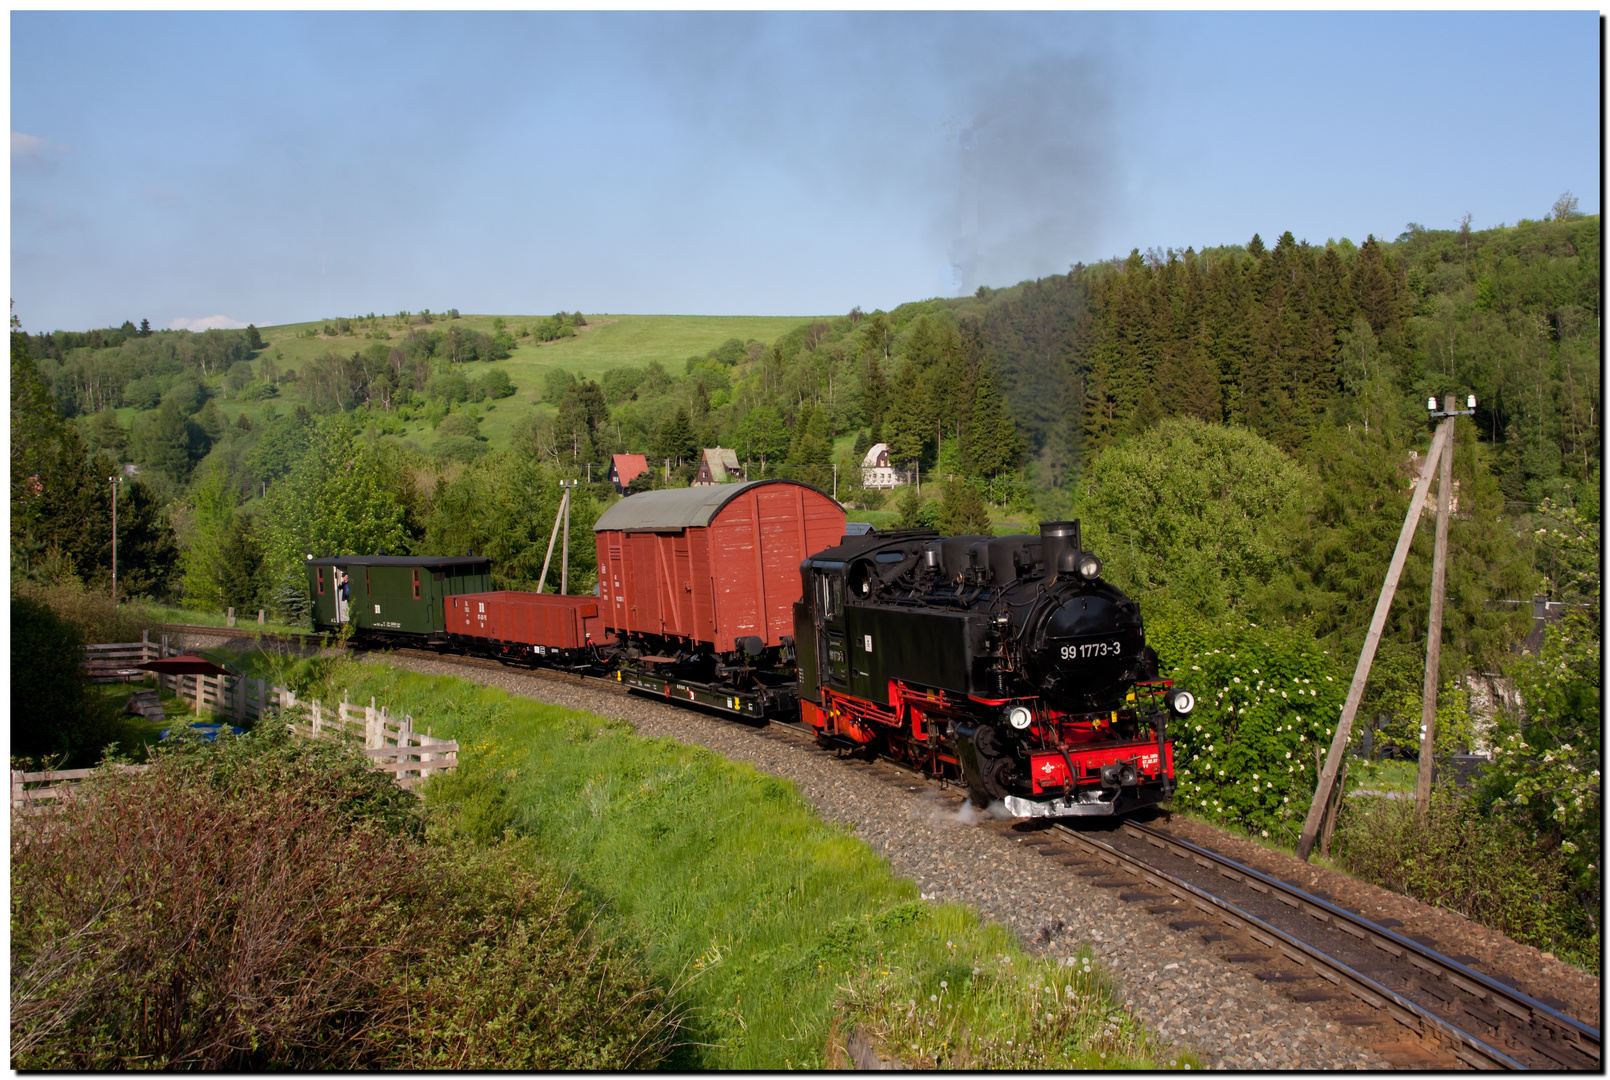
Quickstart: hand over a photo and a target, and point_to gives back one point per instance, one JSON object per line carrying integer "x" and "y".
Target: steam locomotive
{"x": 1006, "y": 663}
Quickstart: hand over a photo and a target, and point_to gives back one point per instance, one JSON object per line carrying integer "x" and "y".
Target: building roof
{"x": 721, "y": 461}
{"x": 876, "y": 455}
{"x": 433, "y": 562}
{"x": 628, "y": 466}
{"x": 675, "y": 508}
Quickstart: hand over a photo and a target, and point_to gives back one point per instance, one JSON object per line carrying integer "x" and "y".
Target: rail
{"x": 1576, "y": 1037}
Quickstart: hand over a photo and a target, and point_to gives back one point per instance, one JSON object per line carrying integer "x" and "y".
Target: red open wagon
{"x": 527, "y": 626}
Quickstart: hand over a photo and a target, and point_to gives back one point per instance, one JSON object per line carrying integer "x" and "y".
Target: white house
{"x": 876, "y": 472}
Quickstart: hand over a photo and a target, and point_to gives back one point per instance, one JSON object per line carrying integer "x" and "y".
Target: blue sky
{"x": 199, "y": 169}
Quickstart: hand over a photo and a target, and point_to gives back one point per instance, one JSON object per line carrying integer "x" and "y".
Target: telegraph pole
{"x": 562, "y": 515}
{"x": 564, "y": 565}
{"x": 1372, "y": 640}
{"x": 1439, "y": 580}
{"x": 116, "y": 482}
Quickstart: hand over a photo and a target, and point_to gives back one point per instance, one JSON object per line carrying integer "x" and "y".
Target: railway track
{"x": 1363, "y": 972}
{"x": 1330, "y": 954}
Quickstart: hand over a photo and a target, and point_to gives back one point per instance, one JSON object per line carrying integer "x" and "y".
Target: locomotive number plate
{"x": 1091, "y": 649}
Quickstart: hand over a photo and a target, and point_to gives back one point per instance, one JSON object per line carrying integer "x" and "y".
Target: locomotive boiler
{"x": 1007, "y": 663}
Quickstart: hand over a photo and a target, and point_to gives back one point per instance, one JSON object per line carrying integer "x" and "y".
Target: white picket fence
{"x": 390, "y": 743}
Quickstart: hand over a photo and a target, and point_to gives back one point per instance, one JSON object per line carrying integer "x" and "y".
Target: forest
{"x": 1238, "y": 427}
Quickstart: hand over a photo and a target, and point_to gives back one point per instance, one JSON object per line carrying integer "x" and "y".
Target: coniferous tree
{"x": 962, "y": 511}
{"x": 991, "y": 446}
{"x": 906, "y": 428}
{"x": 874, "y": 389}
{"x": 676, "y": 440}
{"x": 811, "y": 457}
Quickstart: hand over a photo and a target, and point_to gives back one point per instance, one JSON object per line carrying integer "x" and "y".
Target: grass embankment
{"x": 782, "y": 934}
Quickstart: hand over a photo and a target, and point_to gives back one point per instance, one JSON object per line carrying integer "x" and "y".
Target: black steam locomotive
{"x": 1005, "y": 662}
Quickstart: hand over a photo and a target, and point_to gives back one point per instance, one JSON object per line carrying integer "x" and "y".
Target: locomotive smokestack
{"x": 1059, "y": 546}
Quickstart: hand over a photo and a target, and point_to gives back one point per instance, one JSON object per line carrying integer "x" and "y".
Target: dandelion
{"x": 943, "y": 985}
{"x": 933, "y": 997}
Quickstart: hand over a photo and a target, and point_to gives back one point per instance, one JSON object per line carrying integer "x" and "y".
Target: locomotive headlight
{"x": 1089, "y": 567}
{"x": 1182, "y": 702}
{"x": 1020, "y": 717}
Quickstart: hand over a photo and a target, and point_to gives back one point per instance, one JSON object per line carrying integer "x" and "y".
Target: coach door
{"x": 829, "y": 599}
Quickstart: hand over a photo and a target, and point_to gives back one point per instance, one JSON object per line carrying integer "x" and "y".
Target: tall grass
{"x": 786, "y": 935}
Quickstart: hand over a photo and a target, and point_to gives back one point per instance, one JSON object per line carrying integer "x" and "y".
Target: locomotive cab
{"x": 1006, "y": 662}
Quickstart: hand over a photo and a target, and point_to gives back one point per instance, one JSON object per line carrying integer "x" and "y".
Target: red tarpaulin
{"x": 188, "y": 664}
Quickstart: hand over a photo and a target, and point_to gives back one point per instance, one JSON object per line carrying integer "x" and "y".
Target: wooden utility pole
{"x": 1439, "y": 581}
{"x": 564, "y": 501}
{"x": 564, "y": 563}
{"x": 1372, "y": 640}
{"x": 116, "y": 482}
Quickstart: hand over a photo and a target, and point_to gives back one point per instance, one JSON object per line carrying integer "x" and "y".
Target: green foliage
{"x": 244, "y": 581}
{"x": 554, "y": 385}
{"x": 206, "y": 548}
{"x": 1481, "y": 865}
{"x": 503, "y": 506}
{"x": 1190, "y": 508}
{"x": 961, "y": 511}
{"x": 345, "y": 495}
{"x": 810, "y": 458}
{"x": 916, "y": 512}
{"x": 1340, "y": 540}
{"x": 283, "y": 439}
{"x": 991, "y": 446}
{"x": 448, "y": 386}
{"x": 581, "y": 427}
{"x": 1548, "y": 759}
{"x": 1266, "y": 698}
{"x": 676, "y": 439}
{"x": 761, "y": 435}
{"x": 496, "y": 384}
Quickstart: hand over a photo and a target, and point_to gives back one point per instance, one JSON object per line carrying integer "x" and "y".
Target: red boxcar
{"x": 711, "y": 566}
{"x": 527, "y": 624}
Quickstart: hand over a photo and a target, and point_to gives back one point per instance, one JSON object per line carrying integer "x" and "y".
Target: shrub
{"x": 1265, "y": 699}
{"x": 90, "y": 611}
{"x": 269, "y": 903}
{"x": 1479, "y": 864}
{"x": 447, "y": 387}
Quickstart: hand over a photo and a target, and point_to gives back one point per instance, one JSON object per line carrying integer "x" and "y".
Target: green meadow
{"x": 779, "y": 934}
{"x": 607, "y": 341}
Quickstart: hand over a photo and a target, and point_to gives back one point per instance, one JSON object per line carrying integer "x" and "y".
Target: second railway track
{"x": 1364, "y": 972}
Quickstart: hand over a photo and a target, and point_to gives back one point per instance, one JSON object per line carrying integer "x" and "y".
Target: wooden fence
{"x": 390, "y": 743}
{"x": 119, "y": 662}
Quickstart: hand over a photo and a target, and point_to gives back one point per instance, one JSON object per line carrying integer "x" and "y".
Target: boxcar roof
{"x": 676, "y": 508}
{"x": 432, "y": 561}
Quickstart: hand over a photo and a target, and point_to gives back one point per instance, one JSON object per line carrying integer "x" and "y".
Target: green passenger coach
{"x": 387, "y": 595}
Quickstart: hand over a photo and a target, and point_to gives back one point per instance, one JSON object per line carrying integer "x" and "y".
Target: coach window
{"x": 416, "y": 584}
{"x": 321, "y": 580}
